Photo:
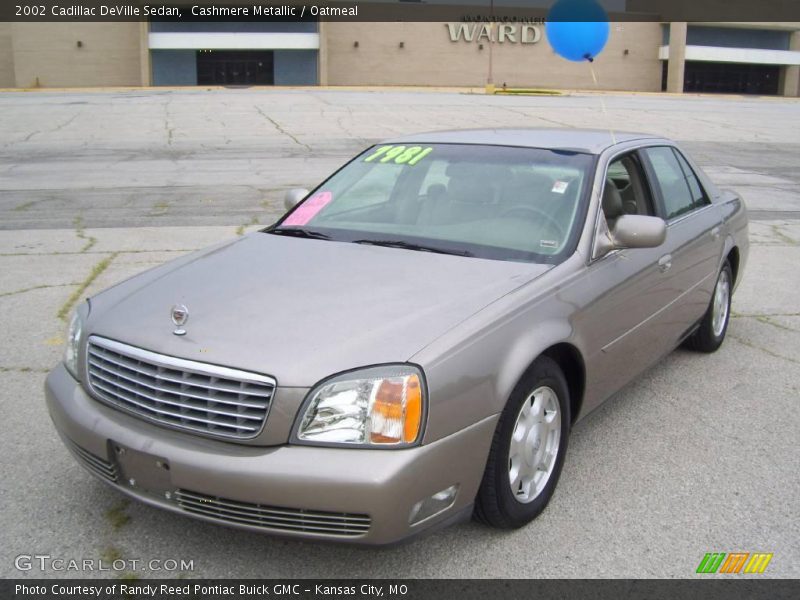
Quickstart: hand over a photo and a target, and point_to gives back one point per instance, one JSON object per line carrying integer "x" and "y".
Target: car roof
{"x": 590, "y": 141}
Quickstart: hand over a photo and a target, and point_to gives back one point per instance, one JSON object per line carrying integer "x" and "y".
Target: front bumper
{"x": 349, "y": 495}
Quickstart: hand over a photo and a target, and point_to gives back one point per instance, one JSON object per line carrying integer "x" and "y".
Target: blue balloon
{"x": 577, "y": 29}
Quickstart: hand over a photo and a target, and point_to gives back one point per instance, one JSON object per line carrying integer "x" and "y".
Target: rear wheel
{"x": 711, "y": 333}
{"x": 528, "y": 449}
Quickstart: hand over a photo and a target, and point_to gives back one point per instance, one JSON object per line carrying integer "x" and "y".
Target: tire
{"x": 496, "y": 503}
{"x": 711, "y": 333}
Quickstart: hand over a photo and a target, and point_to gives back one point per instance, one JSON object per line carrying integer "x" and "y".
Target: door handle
{"x": 715, "y": 233}
{"x": 665, "y": 262}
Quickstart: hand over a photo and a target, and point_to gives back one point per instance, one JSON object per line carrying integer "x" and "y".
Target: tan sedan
{"x": 411, "y": 343}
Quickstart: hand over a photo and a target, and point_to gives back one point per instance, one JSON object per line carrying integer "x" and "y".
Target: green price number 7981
{"x": 400, "y": 155}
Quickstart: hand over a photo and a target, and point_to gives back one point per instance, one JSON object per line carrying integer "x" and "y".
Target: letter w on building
{"x": 459, "y": 30}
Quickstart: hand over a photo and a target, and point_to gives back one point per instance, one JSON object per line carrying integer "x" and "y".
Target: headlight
{"x": 378, "y": 406}
{"x": 74, "y": 338}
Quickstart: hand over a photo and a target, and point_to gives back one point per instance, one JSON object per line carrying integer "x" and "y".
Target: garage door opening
{"x": 235, "y": 67}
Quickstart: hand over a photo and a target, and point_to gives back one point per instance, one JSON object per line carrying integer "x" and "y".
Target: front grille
{"x": 95, "y": 464}
{"x": 179, "y": 393}
{"x": 274, "y": 518}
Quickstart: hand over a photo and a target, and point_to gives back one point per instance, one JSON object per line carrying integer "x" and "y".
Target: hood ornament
{"x": 179, "y": 314}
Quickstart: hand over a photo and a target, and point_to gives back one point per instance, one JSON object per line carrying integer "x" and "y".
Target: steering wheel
{"x": 531, "y": 213}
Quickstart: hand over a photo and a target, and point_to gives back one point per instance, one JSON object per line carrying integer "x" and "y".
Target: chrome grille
{"x": 180, "y": 393}
{"x": 95, "y": 464}
{"x": 274, "y": 518}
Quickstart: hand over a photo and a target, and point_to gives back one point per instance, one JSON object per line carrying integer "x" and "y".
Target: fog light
{"x": 430, "y": 507}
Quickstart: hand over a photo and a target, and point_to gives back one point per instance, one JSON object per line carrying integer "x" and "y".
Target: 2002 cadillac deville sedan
{"x": 411, "y": 343}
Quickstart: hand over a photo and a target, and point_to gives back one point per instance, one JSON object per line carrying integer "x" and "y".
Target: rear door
{"x": 693, "y": 236}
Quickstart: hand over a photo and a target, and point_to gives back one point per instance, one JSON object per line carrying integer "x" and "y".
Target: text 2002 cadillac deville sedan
{"x": 411, "y": 343}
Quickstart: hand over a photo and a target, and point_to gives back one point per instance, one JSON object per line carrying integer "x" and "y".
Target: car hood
{"x": 302, "y": 309}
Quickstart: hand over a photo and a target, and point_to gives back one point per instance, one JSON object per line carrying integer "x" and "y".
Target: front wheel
{"x": 711, "y": 333}
{"x": 528, "y": 449}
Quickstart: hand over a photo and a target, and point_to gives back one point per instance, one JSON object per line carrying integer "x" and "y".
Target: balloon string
{"x": 603, "y": 104}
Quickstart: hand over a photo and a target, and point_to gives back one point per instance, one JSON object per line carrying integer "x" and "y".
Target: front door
{"x": 623, "y": 329}
{"x": 235, "y": 67}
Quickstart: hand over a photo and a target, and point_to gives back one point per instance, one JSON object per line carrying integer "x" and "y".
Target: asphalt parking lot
{"x": 698, "y": 455}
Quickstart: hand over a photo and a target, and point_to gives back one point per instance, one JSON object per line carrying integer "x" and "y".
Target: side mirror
{"x": 293, "y": 196}
{"x": 639, "y": 231}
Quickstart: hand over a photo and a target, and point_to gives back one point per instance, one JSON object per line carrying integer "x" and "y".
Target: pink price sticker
{"x": 308, "y": 210}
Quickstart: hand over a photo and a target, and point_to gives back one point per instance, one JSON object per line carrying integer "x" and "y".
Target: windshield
{"x": 494, "y": 202}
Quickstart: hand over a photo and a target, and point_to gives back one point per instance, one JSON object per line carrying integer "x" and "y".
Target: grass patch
{"x": 117, "y": 516}
{"x": 526, "y": 92}
{"x": 240, "y": 229}
{"x": 81, "y": 233}
{"x": 25, "y": 205}
{"x": 111, "y": 554}
{"x": 159, "y": 209}
{"x": 97, "y": 270}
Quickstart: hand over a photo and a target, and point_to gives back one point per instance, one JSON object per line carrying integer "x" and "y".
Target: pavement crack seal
{"x": 777, "y": 231}
{"x": 81, "y": 233}
{"x": 744, "y": 342}
{"x": 37, "y": 287}
{"x": 65, "y": 123}
{"x": 162, "y": 250}
{"x": 168, "y": 128}
{"x": 23, "y": 370}
{"x": 96, "y": 271}
{"x": 528, "y": 115}
{"x": 736, "y": 315}
{"x": 277, "y": 126}
{"x": 767, "y": 321}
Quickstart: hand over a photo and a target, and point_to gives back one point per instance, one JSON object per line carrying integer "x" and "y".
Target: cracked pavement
{"x": 699, "y": 454}
{"x": 219, "y": 157}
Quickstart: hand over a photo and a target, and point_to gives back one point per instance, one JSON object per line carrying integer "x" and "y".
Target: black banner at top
{"x": 533, "y": 11}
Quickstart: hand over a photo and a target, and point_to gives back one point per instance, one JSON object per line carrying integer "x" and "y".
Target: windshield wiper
{"x": 412, "y": 246}
{"x": 301, "y": 233}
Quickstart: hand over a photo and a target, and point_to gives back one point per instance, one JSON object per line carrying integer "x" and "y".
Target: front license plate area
{"x": 142, "y": 471}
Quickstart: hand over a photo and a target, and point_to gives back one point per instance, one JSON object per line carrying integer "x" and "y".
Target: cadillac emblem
{"x": 180, "y": 314}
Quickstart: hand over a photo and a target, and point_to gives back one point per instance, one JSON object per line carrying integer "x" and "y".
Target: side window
{"x": 625, "y": 192}
{"x": 698, "y": 195}
{"x": 672, "y": 181}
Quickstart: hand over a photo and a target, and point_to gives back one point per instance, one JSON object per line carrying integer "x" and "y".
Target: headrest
{"x": 612, "y": 201}
{"x": 436, "y": 190}
{"x": 459, "y": 170}
{"x": 468, "y": 185}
